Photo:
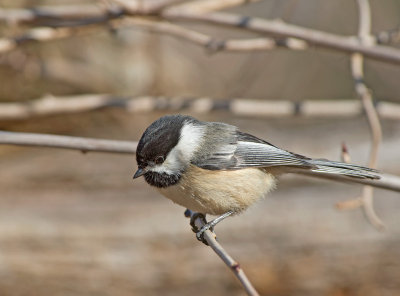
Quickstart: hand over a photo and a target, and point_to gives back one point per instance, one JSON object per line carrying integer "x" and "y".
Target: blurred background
{"x": 77, "y": 224}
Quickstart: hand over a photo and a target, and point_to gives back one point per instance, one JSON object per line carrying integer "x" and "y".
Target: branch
{"x": 41, "y": 14}
{"x": 388, "y": 37}
{"x": 206, "y": 6}
{"x": 212, "y": 44}
{"x": 280, "y": 29}
{"x": 41, "y": 34}
{"x": 67, "y": 16}
{"x": 210, "y": 237}
{"x": 365, "y": 96}
{"x": 67, "y": 142}
{"x": 76, "y": 14}
{"x": 386, "y": 181}
{"x": 49, "y": 105}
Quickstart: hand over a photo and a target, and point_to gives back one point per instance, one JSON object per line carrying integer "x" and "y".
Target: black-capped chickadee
{"x": 213, "y": 168}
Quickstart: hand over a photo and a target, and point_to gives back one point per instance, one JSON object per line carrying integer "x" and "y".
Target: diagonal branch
{"x": 280, "y": 29}
{"x": 211, "y": 43}
{"x": 41, "y": 34}
{"x": 234, "y": 266}
{"x": 165, "y": 10}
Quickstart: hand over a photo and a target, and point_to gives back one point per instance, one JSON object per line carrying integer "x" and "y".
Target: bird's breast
{"x": 217, "y": 192}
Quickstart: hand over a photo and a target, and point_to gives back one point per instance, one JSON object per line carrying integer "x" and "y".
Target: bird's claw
{"x": 200, "y": 232}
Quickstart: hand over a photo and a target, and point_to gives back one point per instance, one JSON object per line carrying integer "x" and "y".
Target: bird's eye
{"x": 159, "y": 159}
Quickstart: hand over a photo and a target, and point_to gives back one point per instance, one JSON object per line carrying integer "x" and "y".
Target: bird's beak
{"x": 139, "y": 173}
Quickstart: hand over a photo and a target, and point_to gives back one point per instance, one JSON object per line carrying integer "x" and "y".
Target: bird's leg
{"x": 210, "y": 225}
{"x": 207, "y": 225}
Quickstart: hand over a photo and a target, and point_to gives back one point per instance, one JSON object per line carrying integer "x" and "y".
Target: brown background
{"x": 77, "y": 224}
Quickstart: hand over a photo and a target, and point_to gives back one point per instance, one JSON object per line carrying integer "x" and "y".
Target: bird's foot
{"x": 195, "y": 229}
{"x": 207, "y": 225}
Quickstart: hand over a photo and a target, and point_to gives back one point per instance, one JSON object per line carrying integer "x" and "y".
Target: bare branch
{"x": 210, "y": 237}
{"x": 205, "y": 6}
{"x": 357, "y": 61}
{"x": 140, "y": 7}
{"x": 210, "y": 43}
{"x": 44, "y": 34}
{"x": 41, "y": 34}
{"x": 281, "y": 29}
{"x": 41, "y": 14}
{"x": 62, "y": 16}
{"x": 48, "y": 105}
{"x": 67, "y": 142}
{"x": 386, "y": 181}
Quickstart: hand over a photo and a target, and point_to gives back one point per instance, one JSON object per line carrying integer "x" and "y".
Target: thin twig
{"x": 233, "y": 265}
{"x": 212, "y": 44}
{"x": 352, "y": 203}
{"x": 206, "y": 6}
{"x": 385, "y": 181}
{"x": 388, "y": 37}
{"x": 357, "y": 61}
{"x": 280, "y": 29}
{"x": 67, "y": 142}
{"x": 40, "y": 34}
{"x": 74, "y": 14}
{"x": 41, "y": 14}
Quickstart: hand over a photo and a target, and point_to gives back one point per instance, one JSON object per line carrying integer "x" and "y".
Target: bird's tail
{"x": 341, "y": 168}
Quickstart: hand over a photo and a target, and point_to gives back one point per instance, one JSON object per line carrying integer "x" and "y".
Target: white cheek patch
{"x": 179, "y": 157}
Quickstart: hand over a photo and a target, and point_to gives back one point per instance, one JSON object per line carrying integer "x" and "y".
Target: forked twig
{"x": 166, "y": 10}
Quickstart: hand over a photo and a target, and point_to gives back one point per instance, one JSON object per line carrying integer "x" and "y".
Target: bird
{"x": 214, "y": 168}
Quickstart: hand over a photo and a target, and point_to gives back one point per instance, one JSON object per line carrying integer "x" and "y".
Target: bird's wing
{"x": 250, "y": 151}
{"x": 254, "y": 152}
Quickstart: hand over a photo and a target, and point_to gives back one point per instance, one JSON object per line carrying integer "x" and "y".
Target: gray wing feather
{"x": 250, "y": 154}
{"x": 237, "y": 150}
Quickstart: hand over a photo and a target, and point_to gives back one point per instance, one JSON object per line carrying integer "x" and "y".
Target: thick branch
{"x": 49, "y": 105}
{"x": 387, "y": 181}
{"x": 281, "y": 29}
